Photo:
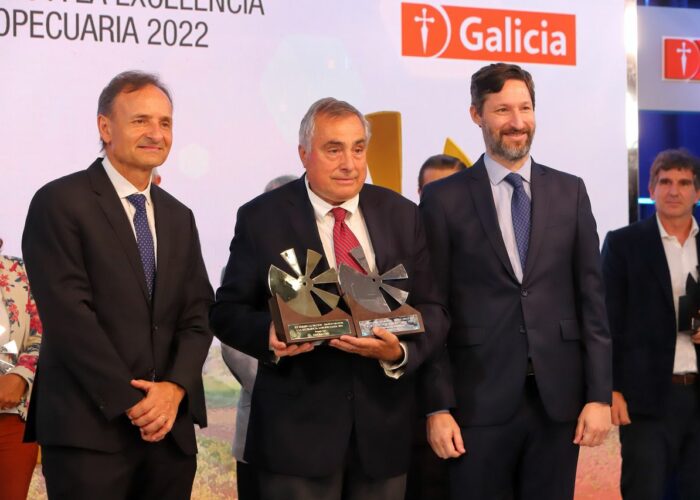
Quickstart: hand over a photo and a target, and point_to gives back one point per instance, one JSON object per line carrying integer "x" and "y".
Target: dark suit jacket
{"x": 306, "y": 407}
{"x": 642, "y": 316}
{"x": 100, "y": 329}
{"x": 556, "y": 316}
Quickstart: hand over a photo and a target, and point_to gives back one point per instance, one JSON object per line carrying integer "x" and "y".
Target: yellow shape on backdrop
{"x": 384, "y": 152}
{"x": 452, "y": 149}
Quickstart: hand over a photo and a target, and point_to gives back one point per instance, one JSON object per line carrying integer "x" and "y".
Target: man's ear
{"x": 476, "y": 118}
{"x": 104, "y": 126}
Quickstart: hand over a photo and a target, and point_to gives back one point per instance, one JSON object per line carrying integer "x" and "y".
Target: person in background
{"x": 427, "y": 475}
{"x": 437, "y": 167}
{"x": 244, "y": 368}
{"x": 155, "y": 177}
{"x": 655, "y": 346}
{"x": 20, "y": 338}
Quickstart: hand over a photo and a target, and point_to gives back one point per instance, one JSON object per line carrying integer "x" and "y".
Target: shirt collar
{"x": 664, "y": 234}
{"x": 498, "y": 172}
{"x": 123, "y": 187}
{"x": 322, "y": 207}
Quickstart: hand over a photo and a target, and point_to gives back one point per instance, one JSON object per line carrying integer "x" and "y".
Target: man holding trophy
{"x": 332, "y": 406}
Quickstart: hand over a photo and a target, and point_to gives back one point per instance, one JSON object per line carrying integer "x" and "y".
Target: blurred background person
{"x": 20, "y": 337}
{"x": 244, "y": 368}
{"x": 435, "y": 168}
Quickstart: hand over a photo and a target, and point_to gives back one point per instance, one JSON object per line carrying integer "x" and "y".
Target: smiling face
{"x": 137, "y": 134}
{"x": 675, "y": 194}
{"x": 336, "y": 162}
{"x": 507, "y": 121}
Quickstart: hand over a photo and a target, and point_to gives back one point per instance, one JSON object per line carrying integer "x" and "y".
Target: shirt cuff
{"x": 437, "y": 412}
{"x": 395, "y": 370}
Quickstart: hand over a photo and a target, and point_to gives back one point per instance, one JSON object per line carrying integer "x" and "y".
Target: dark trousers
{"x": 140, "y": 471}
{"x": 247, "y": 481}
{"x": 427, "y": 473}
{"x": 657, "y": 451}
{"x": 350, "y": 482}
{"x": 530, "y": 457}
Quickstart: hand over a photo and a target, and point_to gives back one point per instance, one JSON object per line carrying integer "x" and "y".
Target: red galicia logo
{"x": 681, "y": 59}
{"x": 452, "y": 32}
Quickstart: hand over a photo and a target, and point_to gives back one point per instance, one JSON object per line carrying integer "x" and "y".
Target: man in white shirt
{"x": 118, "y": 276}
{"x": 329, "y": 421}
{"x": 647, "y": 266}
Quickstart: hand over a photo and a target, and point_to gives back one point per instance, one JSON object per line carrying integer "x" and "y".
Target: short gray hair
{"x": 328, "y": 106}
{"x": 280, "y": 181}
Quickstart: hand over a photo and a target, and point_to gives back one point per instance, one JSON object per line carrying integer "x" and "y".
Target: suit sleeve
{"x": 435, "y": 390}
{"x": 426, "y": 298}
{"x": 597, "y": 345}
{"x": 240, "y": 316}
{"x": 55, "y": 264}
{"x": 192, "y": 335}
{"x": 615, "y": 277}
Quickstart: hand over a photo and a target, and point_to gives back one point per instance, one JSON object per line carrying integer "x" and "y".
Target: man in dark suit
{"x": 329, "y": 421}
{"x": 118, "y": 276}
{"x": 655, "y": 351}
{"x": 515, "y": 250}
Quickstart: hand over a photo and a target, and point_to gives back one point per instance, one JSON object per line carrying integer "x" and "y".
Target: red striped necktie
{"x": 344, "y": 241}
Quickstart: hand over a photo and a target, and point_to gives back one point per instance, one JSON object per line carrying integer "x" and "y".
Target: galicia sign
{"x": 487, "y": 34}
{"x": 681, "y": 59}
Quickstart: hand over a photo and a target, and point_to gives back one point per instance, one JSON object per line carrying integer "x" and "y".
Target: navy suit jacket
{"x": 642, "y": 315}
{"x": 306, "y": 407}
{"x": 556, "y": 316}
{"x": 100, "y": 328}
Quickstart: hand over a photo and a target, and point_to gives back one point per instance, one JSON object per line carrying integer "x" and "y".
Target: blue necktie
{"x": 520, "y": 211}
{"x": 144, "y": 240}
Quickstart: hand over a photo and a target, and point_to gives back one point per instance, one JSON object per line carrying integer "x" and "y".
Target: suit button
{"x": 523, "y": 292}
{"x": 350, "y": 396}
{"x": 522, "y": 329}
{"x": 155, "y": 328}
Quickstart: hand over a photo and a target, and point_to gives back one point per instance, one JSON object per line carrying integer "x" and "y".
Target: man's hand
{"x": 696, "y": 336}
{"x": 620, "y": 415}
{"x": 385, "y": 346}
{"x": 281, "y": 349}
{"x": 593, "y": 424}
{"x": 12, "y": 388}
{"x": 155, "y": 414}
{"x": 444, "y": 435}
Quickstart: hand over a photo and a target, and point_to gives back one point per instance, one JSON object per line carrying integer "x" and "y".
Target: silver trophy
{"x": 295, "y": 313}
{"x": 364, "y": 294}
{"x": 8, "y": 356}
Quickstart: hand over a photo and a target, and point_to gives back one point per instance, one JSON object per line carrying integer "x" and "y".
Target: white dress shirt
{"x": 682, "y": 260}
{"x": 356, "y": 223}
{"x": 502, "y": 193}
{"x": 125, "y": 188}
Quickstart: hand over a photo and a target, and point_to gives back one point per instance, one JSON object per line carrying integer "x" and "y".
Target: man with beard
{"x": 526, "y": 374}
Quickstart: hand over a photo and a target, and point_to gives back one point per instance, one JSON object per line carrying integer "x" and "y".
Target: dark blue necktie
{"x": 520, "y": 211}
{"x": 144, "y": 240}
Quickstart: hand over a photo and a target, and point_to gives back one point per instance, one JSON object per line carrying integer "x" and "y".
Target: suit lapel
{"x": 163, "y": 232}
{"x": 303, "y": 220}
{"x": 539, "y": 188}
{"x": 480, "y": 188}
{"x": 114, "y": 212}
{"x": 653, "y": 247}
{"x": 376, "y": 227}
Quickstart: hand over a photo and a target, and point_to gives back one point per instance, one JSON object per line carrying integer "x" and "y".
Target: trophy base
{"x": 402, "y": 321}
{"x": 294, "y": 328}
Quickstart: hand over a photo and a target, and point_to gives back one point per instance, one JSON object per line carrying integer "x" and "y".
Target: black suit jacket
{"x": 642, "y": 316}
{"x": 556, "y": 316}
{"x": 306, "y": 407}
{"x": 100, "y": 329}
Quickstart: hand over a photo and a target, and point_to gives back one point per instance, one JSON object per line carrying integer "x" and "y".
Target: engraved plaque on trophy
{"x": 293, "y": 305}
{"x": 366, "y": 295}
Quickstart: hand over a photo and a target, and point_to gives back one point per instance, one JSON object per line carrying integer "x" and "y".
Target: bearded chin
{"x": 512, "y": 153}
